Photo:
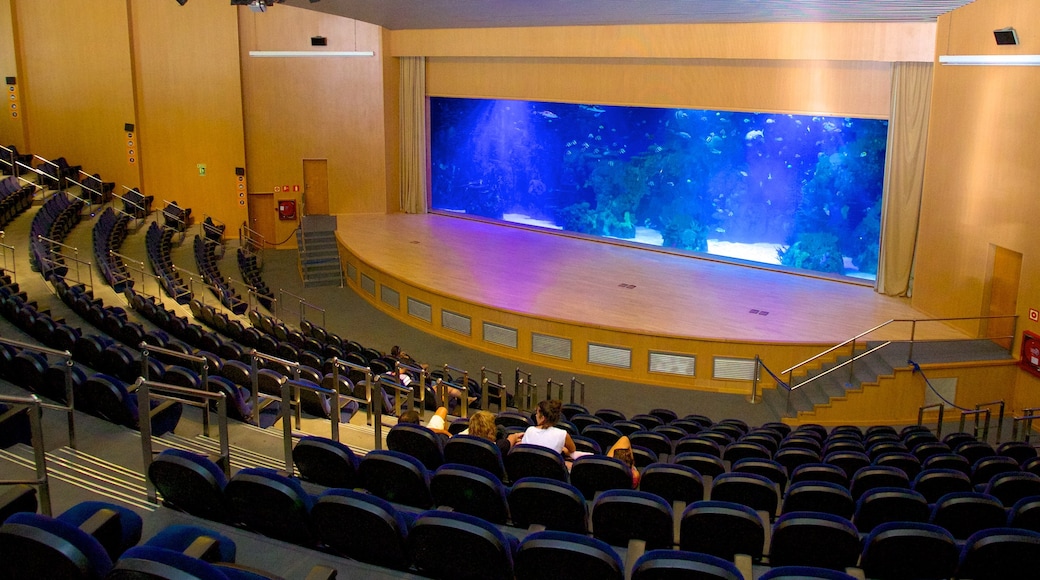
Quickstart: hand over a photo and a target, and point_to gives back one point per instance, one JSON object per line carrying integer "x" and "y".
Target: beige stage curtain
{"x": 904, "y": 176}
{"x": 413, "y": 134}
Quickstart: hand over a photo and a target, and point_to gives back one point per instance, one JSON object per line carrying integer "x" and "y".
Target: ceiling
{"x": 419, "y": 14}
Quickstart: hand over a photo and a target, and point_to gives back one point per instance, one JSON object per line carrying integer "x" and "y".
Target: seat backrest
{"x": 814, "y": 539}
{"x": 475, "y": 451}
{"x": 526, "y": 460}
{"x": 417, "y": 441}
{"x": 470, "y": 490}
{"x": 548, "y": 502}
{"x": 396, "y": 477}
{"x": 999, "y": 553}
{"x": 620, "y": 515}
{"x": 660, "y": 564}
{"x": 272, "y": 504}
{"x": 191, "y": 483}
{"x": 889, "y": 504}
{"x": 361, "y": 526}
{"x": 672, "y": 482}
{"x": 454, "y": 545}
{"x": 721, "y": 529}
{"x": 750, "y": 489}
{"x": 595, "y": 473}
{"x": 326, "y": 462}
{"x": 964, "y": 513}
{"x": 548, "y": 555}
{"x": 39, "y": 546}
{"x": 819, "y": 496}
{"x": 909, "y": 550}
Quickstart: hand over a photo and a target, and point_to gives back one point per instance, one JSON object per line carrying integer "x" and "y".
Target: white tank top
{"x": 553, "y": 437}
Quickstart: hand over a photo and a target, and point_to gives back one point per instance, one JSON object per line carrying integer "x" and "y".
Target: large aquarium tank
{"x": 794, "y": 191}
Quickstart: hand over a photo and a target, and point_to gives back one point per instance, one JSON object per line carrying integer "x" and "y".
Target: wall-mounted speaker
{"x": 1006, "y": 36}
{"x": 128, "y": 127}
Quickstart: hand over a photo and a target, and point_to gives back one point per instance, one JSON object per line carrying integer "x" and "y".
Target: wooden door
{"x": 315, "y": 187}
{"x": 1002, "y": 295}
{"x": 262, "y": 212}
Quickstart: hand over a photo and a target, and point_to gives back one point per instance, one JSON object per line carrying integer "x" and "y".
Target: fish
{"x": 548, "y": 114}
{"x": 754, "y": 134}
{"x": 683, "y": 134}
{"x": 720, "y": 230}
{"x": 593, "y": 109}
{"x": 770, "y": 121}
{"x": 744, "y": 173}
{"x": 681, "y": 115}
{"x": 831, "y": 127}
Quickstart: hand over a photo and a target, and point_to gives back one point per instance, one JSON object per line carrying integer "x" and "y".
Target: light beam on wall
{"x": 308, "y": 53}
{"x": 990, "y": 60}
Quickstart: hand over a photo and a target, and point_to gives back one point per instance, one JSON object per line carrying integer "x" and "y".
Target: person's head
{"x": 548, "y": 412}
{"x": 625, "y": 455}
{"x": 411, "y": 417}
{"x": 482, "y": 424}
{"x": 395, "y": 351}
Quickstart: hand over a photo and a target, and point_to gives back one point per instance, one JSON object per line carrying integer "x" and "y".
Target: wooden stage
{"x": 602, "y": 308}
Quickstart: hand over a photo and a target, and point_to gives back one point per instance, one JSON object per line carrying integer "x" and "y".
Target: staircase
{"x": 319, "y": 251}
{"x": 879, "y": 363}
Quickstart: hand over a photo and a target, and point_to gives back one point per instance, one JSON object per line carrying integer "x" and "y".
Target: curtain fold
{"x": 413, "y": 135}
{"x": 904, "y": 176}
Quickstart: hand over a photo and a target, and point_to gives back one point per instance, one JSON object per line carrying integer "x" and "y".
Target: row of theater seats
{"x": 94, "y": 540}
{"x": 11, "y": 158}
{"x": 213, "y": 231}
{"x": 14, "y": 199}
{"x": 206, "y": 260}
{"x": 59, "y": 214}
{"x": 94, "y": 189}
{"x": 109, "y": 233}
{"x": 369, "y": 522}
{"x": 137, "y": 204}
{"x": 57, "y": 173}
{"x": 176, "y": 217}
{"x": 250, "y": 270}
{"x": 159, "y": 245}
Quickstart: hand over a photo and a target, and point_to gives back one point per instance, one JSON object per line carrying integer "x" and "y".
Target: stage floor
{"x": 601, "y": 292}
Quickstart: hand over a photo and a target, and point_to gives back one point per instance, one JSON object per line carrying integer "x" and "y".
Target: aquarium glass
{"x": 796, "y": 191}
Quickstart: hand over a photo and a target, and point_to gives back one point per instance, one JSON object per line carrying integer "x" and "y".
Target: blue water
{"x": 790, "y": 190}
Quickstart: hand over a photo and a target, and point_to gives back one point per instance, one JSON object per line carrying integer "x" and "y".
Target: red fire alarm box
{"x": 1030, "y": 360}
{"x": 287, "y": 209}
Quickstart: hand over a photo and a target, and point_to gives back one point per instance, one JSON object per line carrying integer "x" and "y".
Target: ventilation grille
{"x": 456, "y": 322}
{"x": 610, "y": 355}
{"x": 368, "y": 284}
{"x": 390, "y": 297}
{"x": 734, "y": 368}
{"x": 551, "y": 346}
{"x": 502, "y": 335}
{"x": 351, "y": 271}
{"x": 420, "y": 310}
{"x": 673, "y": 364}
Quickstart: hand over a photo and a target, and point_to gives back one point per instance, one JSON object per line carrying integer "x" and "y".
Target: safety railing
{"x": 423, "y": 381}
{"x": 93, "y": 198}
{"x": 59, "y": 171}
{"x": 939, "y": 421}
{"x": 525, "y": 391}
{"x": 982, "y": 410}
{"x": 251, "y": 240}
{"x": 253, "y": 298}
{"x": 34, "y": 408}
{"x": 549, "y": 384}
{"x": 293, "y": 366}
{"x": 37, "y": 175}
{"x": 487, "y": 384}
{"x": 854, "y": 343}
{"x": 140, "y": 213}
{"x": 147, "y": 391}
{"x": 461, "y": 384}
{"x": 147, "y": 350}
{"x": 401, "y": 393}
{"x": 138, "y": 266}
{"x": 11, "y": 265}
{"x": 303, "y": 304}
{"x": 1024, "y": 423}
{"x": 576, "y": 383}
{"x": 70, "y": 394}
{"x": 291, "y": 392}
{"x": 7, "y": 159}
{"x": 374, "y": 405}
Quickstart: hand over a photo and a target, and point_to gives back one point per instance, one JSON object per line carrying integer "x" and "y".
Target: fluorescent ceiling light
{"x": 307, "y": 53}
{"x": 991, "y": 60}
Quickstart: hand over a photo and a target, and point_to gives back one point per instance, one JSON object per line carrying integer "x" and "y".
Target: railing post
{"x": 754, "y": 380}
{"x": 70, "y": 395}
{"x": 40, "y": 455}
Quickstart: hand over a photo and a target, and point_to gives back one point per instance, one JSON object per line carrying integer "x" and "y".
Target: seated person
{"x": 545, "y": 433}
{"x": 623, "y": 450}
{"x": 436, "y": 423}
{"x": 482, "y": 424}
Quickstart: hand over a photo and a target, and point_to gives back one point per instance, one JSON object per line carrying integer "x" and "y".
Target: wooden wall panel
{"x": 858, "y": 89}
{"x": 12, "y": 129}
{"x": 863, "y": 41}
{"x": 76, "y": 83}
{"x": 316, "y": 108}
{"x": 190, "y": 106}
{"x": 970, "y": 28}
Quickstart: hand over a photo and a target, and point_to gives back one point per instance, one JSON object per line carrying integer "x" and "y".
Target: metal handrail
{"x": 303, "y": 303}
{"x": 290, "y": 392}
{"x": 549, "y": 383}
{"x": 147, "y": 390}
{"x": 462, "y": 385}
{"x": 147, "y": 349}
{"x": 253, "y": 299}
{"x": 484, "y": 372}
{"x": 976, "y": 413}
{"x": 256, "y": 356}
{"x": 1028, "y": 418}
{"x": 985, "y": 432}
{"x": 575, "y": 381}
{"x": 11, "y": 266}
{"x": 423, "y": 379}
{"x": 400, "y": 392}
{"x": 375, "y": 404}
{"x": 70, "y": 402}
{"x": 942, "y": 410}
{"x": 35, "y": 412}
{"x": 247, "y": 238}
{"x": 851, "y": 342}
{"x": 522, "y": 390}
